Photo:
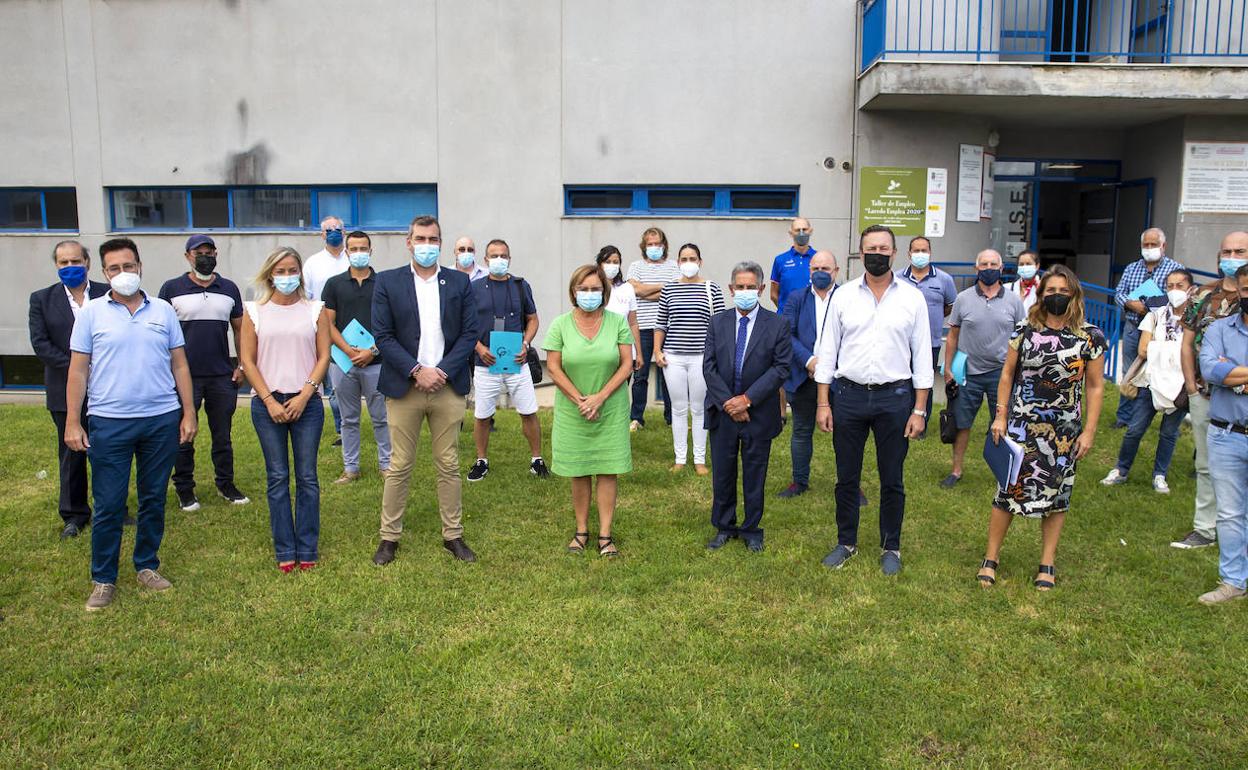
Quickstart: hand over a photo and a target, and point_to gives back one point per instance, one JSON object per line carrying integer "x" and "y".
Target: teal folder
{"x": 357, "y": 337}
{"x": 505, "y": 346}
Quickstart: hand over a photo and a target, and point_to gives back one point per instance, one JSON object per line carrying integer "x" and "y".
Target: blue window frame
{"x": 269, "y": 207}
{"x": 38, "y": 209}
{"x": 680, "y": 201}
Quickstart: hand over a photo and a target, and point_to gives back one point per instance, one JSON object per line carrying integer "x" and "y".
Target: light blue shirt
{"x": 131, "y": 374}
{"x": 1226, "y": 338}
{"x": 938, "y": 290}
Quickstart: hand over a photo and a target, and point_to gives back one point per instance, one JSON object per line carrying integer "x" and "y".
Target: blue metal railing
{"x": 1124, "y": 31}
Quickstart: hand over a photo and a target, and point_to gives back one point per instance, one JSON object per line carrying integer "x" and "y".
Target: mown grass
{"x": 668, "y": 656}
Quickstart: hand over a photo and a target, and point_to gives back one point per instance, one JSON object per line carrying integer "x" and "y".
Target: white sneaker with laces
{"x": 1160, "y": 486}
{"x": 1114, "y": 478}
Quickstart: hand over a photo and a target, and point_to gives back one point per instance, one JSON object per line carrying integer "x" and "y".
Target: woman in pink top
{"x": 284, "y": 351}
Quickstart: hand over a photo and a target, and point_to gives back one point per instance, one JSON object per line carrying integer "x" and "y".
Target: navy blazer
{"x": 799, "y": 311}
{"x": 768, "y": 357}
{"x": 396, "y": 328}
{"x": 51, "y": 323}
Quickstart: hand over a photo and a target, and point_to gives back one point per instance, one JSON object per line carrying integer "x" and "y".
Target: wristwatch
{"x": 919, "y": 413}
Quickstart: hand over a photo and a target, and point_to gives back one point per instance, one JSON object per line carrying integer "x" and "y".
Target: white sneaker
{"x": 1160, "y": 486}
{"x": 1223, "y": 593}
{"x": 1114, "y": 478}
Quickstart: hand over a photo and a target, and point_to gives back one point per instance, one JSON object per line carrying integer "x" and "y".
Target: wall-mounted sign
{"x": 903, "y": 199}
{"x": 987, "y": 186}
{"x": 937, "y": 202}
{"x": 970, "y": 182}
{"x": 1215, "y": 177}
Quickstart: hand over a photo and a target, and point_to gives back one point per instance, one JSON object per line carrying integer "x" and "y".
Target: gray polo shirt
{"x": 984, "y": 326}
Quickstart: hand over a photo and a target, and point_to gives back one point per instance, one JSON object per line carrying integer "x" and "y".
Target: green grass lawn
{"x": 667, "y": 656}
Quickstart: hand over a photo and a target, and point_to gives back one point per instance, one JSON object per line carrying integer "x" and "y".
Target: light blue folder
{"x": 505, "y": 346}
{"x": 357, "y": 337}
{"x": 1147, "y": 289}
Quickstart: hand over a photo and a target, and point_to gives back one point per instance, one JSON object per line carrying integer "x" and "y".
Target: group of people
{"x": 127, "y": 374}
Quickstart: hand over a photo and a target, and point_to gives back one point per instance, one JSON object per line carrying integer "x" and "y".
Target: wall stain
{"x": 250, "y": 166}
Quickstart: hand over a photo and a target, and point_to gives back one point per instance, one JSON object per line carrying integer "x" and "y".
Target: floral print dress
{"x": 1045, "y": 415}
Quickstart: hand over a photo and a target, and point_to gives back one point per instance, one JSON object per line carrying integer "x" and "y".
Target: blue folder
{"x": 505, "y": 346}
{"x": 1004, "y": 458}
{"x": 357, "y": 337}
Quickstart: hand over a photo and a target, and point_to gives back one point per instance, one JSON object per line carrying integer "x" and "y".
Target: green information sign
{"x": 896, "y": 197}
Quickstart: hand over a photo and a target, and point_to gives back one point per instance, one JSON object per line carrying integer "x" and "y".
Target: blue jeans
{"x": 855, "y": 414}
{"x": 641, "y": 382}
{"x": 296, "y": 532}
{"x": 972, "y": 394}
{"x": 153, "y": 443}
{"x": 1140, "y": 422}
{"x": 801, "y": 443}
{"x": 1130, "y": 351}
{"x": 1228, "y": 465}
{"x": 332, "y": 395}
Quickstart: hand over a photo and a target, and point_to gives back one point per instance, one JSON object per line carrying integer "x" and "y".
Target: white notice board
{"x": 1215, "y": 177}
{"x": 970, "y": 181}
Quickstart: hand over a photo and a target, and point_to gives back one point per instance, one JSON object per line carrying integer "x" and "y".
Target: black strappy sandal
{"x": 604, "y": 543}
{"x": 581, "y": 539}
{"x": 988, "y": 580}
{"x": 1045, "y": 585}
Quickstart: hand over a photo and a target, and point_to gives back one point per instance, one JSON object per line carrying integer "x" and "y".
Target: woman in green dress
{"x": 590, "y": 356}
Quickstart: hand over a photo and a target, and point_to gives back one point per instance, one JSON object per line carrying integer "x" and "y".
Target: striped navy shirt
{"x": 685, "y": 311}
{"x": 646, "y": 271}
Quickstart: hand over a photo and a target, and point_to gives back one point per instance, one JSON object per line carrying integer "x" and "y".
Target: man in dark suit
{"x": 425, "y": 325}
{"x": 746, "y": 361}
{"x": 52, "y": 314}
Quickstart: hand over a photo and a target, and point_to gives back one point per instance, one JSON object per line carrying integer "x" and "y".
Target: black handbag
{"x": 948, "y": 425}
{"x": 535, "y": 365}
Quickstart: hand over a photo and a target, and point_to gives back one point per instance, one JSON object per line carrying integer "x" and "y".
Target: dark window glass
{"x": 281, "y": 208}
{"x": 62, "y": 209}
{"x": 600, "y": 199}
{"x": 682, "y": 199}
{"x": 334, "y": 203}
{"x": 764, "y": 200}
{"x": 21, "y": 370}
{"x": 209, "y": 208}
{"x": 395, "y": 208}
{"x": 149, "y": 208}
{"x": 20, "y": 210}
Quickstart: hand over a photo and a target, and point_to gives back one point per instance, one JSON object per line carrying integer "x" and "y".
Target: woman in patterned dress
{"x": 1054, "y": 356}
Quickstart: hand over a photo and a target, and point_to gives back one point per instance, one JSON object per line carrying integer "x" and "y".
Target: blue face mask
{"x": 1230, "y": 265}
{"x": 359, "y": 259}
{"x": 466, "y": 259}
{"x": 333, "y": 238}
{"x": 589, "y": 301}
{"x": 920, "y": 259}
{"x": 286, "y": 284}
{"x": 989, "y": 276}
{"x": 1026, "y": 272}
{"x": 72, "y": 275}
{"x": 426, "y": 254}
{"x": 654, "y": 253}
{"x": 745, "y": 299}
{"x": 820, "y": 279}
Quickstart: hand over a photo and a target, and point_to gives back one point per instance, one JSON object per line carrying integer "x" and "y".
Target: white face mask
{"x": 689, "y": 269}
{"x": 611, "y": 270}
{"x": 125, "y": 284}
{"x": 1177, "y": 297}
{"x": 1150, "y": 255}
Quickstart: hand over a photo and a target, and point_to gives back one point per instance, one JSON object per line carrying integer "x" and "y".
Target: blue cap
{"x": 199, "y": 240}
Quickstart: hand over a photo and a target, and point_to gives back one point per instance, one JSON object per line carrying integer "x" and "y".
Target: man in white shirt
{"x": 317, "y": 269}
{"x": 877, "y": 349}
{"x": 466, "y": 259}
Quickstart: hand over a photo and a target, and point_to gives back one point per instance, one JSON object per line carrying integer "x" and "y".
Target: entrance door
{"x": 1133, "y": 215}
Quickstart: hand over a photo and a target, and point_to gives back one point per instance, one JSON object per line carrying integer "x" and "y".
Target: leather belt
{"x": 842, "y": 382}
{"x": 1232, "y": 427}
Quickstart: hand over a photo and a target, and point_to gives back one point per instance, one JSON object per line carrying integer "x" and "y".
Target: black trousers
{"x": 728, "y": 443}
{"x": 219, "y": 397}
{"x": 855, "y": 413}
{"x": 74, "y": 505}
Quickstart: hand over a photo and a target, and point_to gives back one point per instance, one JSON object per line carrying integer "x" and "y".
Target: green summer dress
{"x": 578, "y": 446}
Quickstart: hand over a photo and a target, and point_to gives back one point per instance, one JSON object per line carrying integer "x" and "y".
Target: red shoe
{"x": 306, "y": 565}
{"x": 287, "y": 568}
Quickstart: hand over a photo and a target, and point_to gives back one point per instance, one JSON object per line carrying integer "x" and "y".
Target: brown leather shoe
{"x": 385, "y": 552}
{"x": 459, "y": 549}
{"x": 347, "y": 477}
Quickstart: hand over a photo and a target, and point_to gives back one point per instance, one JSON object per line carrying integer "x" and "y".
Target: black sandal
{"x": 1045, "y": 585}
{"x": 581, "y": 539}
{"x": 988, "y": 580}
{"x": 604, "y": 543}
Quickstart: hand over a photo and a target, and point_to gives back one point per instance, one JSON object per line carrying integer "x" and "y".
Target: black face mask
{"x": 1243, "y": 305}
{"x": 876, "y": 264}
{"x": 989, "y": 276}
{"x": 1056, "y": 304}
{"x": 205, "y": 264}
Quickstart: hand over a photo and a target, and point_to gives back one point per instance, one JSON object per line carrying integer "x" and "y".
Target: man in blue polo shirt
{"x": 937, "y": 287}
{"x": 790, "y": 270}
{"x": 208, "y": 307}
{"x": 127, "y": 352}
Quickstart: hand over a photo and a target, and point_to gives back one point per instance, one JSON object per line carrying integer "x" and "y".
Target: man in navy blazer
{"x": 746, "y": 361}
{"x": 52, "y": 314}
{"x": 425, "y": 325}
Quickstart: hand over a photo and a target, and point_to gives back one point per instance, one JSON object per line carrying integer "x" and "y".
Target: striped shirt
{"x": 685, "y": 311}
{"x": 646, "y": 271}
{"x": 1135, "y": 275}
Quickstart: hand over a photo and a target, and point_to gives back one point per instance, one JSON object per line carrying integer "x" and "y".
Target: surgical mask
{"x": 1150, "y": 255}
{"x": 499, "y": 265}
{"x": 801, "y": 239}
{"x": 689, "y": 269}
{"x": 820, "y": 279}
{"x": 333, "y": 238}
{"x": 1230, "y": 265}
{"x": 1026, "y": 272}
{"x": 1177, "y": 296}
{"x": 359, "y": 259}
{"x": 426, "y": 254}
{"x": 466, "y": 259}
{"x": 589, "y": 301}
{"x": 205, "y": 264}
{"x": 875, "y": 264}
{"x": 1056, "y": 304}
{"x": 654, "y": 253}
{"x": 611, "y": 270}
{"x": 286, "y": 284}
{"x": 920, "y": 259}
{"x": 989, "y": 276}
{"x": 72, "y": 275}
{"x": 745, "y": 299}
{"x": 125, "y": 284}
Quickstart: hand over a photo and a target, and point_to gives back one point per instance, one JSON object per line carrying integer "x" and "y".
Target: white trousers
{"x": 686, "y": 388}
